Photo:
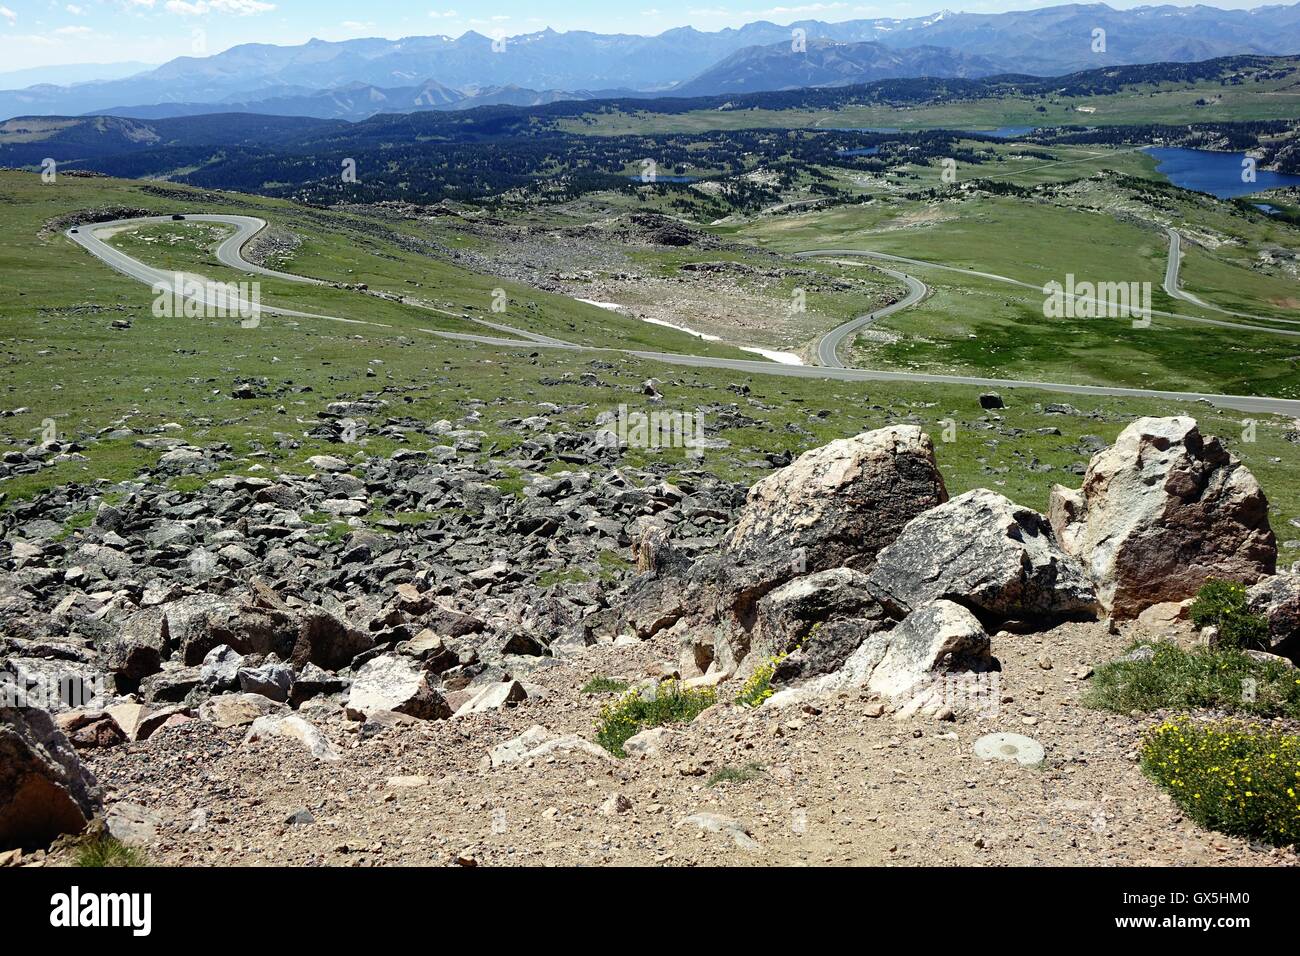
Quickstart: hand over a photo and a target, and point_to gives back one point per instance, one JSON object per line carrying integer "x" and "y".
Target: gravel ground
{"x": 827, "y": 785}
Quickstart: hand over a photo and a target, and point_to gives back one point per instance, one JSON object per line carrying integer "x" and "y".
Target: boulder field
{"x": 849, "y": 568}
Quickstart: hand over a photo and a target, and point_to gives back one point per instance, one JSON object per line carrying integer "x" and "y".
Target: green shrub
{"x": 1229, "y": 776}
{"x": 1223, "y": 605}
{"x": 604, "y": 685}
{"x": 107, "y": 851}
{"x": 1218, "y": 679}
{"x": 758, "y": 686}
{"x": 632, "y": 713}
{"x": 735, "y": 774}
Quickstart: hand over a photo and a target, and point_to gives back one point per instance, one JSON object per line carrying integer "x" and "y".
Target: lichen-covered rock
{"x": 395, "y": 684}
{"x": 835, "y": 506}
{"x": 136, "y": 649}
{"x": 44, "y": 789}
{"x": 1162, "y": 511}
{"x": 987, "y": 553}
{"x": 818, "y": 620}
{"x": 915, "y": 665}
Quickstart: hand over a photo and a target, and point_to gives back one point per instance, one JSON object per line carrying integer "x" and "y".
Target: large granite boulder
{"x": 44, "y": 789}
{"x": 834, "y": 506}
{"x": 984, "y": 552}
{"x": 1161, "y": 512}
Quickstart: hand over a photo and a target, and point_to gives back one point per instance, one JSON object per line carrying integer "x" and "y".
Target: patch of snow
{"x": 682, "y": 328}
{"x": 783, "y": 358}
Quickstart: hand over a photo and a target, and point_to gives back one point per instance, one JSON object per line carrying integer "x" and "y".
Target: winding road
{"x": 1175, "y": 292}
{"x": 230, "y": 254}
{"x": 828, "y": 346}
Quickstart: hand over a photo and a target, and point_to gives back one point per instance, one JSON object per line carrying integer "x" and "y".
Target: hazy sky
{"x": 50, "y": 32}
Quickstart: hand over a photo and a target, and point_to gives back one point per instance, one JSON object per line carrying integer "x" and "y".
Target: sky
{"x": 42, "y": 33}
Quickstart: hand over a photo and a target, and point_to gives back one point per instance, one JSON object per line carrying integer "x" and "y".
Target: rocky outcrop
{"x": 1161, "y": 512}
{"x": 834, "y": 506}
{"x": 987, "y": 553}
{"x": 44, "y": 789}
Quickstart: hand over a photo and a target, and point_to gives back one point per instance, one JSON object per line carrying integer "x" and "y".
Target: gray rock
{"x": 717, "y": 823}
{"x": 819, "y": 620}
{"x": 220, "y": 668}
{"x": 271, "y": 679}
{"x": 512, "y": 751}
{"x": 138, "y": 647}
{"x": 293, "y": 728}
{"x": 237, "y": 710}
{"x": 834, "y": 506}
{"x": 1277, "y": 598}
{"x": 989, "y": 554}
{"x": 916, "y": 665}
{"x": 1015, "y": 748}
{"x": 494, "y": 697}
{"x": 395, "y": 684}
{"x": 653, "y": 742}
{"x": 313, "y": 682}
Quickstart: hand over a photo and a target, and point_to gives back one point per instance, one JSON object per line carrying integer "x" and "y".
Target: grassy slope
{"x": 989, "y": 328}
{"x": 63, "y": 361}
{"x": 1165, "y": 104}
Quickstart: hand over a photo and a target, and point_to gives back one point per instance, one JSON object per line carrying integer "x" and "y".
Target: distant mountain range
{"x": 358, "y": 101}
{"x": 69, "y": 73}
{"x": 352, "y": 79}
{"x": 828, "y": 63}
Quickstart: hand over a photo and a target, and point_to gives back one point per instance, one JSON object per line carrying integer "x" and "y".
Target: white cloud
{"x": 204, "y": 7}
{"x": 9, "y": 15}
{"x": 443, "y": 14}
{"x": 75, "y": 10}
{"x": 73, "y": 31}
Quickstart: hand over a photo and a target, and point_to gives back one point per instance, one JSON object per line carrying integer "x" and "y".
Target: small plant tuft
{"x": 736, "y": 774}
{"x": 632, "y": 713}
{"x": 604, "y": 685}
{"x": 105, "y": 850}
{"x": 1230, "y": 776}
{"x": 1223, "y": 605}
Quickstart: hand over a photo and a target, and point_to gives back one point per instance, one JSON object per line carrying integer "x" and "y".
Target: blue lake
{"x": 1002, "y": 132}
{"x": 860, "y": 151}
{"x": 1006, "y": 132}
{"x": 660, "y": 178}
{"x": 1218, "y": 174}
